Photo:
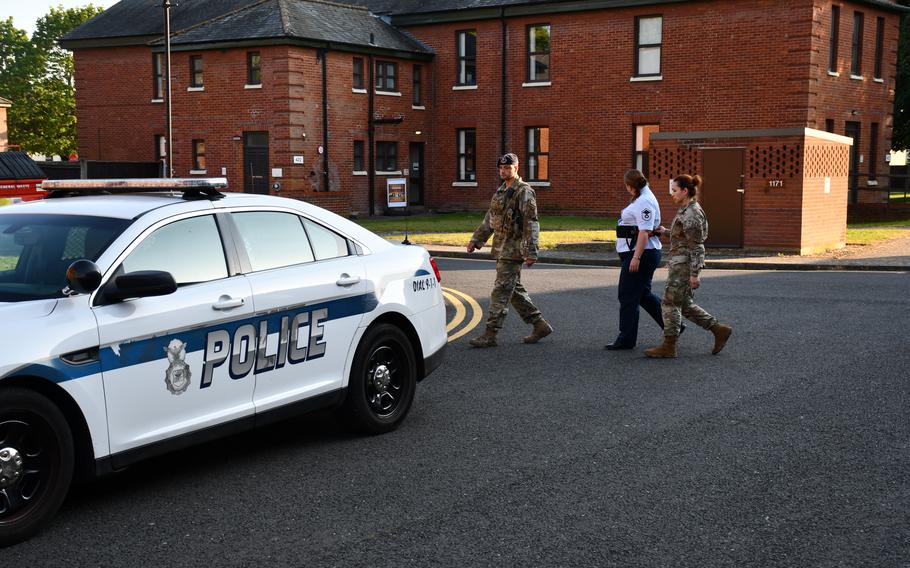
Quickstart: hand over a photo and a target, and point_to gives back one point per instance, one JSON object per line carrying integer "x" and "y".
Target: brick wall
{"x": 726, "y": 65}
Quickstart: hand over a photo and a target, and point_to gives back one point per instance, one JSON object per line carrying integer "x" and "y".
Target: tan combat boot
{"x": 666, "y": 350}
{"x": 488, "y": 339}
{"x": 721, "y": 335}
{"x": 541, "y": 330}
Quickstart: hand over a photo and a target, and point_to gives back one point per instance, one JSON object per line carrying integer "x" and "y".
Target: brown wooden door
{"x": 722, "y": 196}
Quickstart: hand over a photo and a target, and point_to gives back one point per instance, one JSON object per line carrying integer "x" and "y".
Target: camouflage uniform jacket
{"x": 512, "y": 219}
{"x": 687, "y": 238}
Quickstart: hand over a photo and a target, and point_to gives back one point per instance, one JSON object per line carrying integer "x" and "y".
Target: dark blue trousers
{"x": 634, "y": 291}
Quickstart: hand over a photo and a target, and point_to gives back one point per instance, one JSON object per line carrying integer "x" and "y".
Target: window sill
{"x": 464, "y": 184}
{"x": 537, "y": 84}
{"x": 388, "y": 93}
{"x": 195, "y": 89}
{"x": 539, "y": 183}
{"x": 878, "y": 80}
{"x": 421, "y": 107}
{"x": 871, "y": 182}
{"x": 833, "y": 74}
{"x": 395, "y": 173}
{"x": 259, "y": 86}
{"x": 359, "y": 91}
{"x": 856, "y": 77}
{"x": 198, "y": 172}
{"x": 646, "y": 79}
{"x": 464, "y": 88}
{"x": 157, "y": 101}
{"x": 358, "y": 173}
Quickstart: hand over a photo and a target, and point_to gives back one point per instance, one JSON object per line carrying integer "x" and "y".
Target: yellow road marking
{"x": 476, "y": 313}
{"x": 460, "y": 311}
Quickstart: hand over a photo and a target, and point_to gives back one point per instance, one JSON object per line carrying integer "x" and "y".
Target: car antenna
{"x": 407, "y": 213}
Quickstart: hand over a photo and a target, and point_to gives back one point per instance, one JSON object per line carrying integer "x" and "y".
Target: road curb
{"x": 710, "y": 264}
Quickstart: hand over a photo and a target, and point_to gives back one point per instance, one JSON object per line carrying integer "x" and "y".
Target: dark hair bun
{"x": 696, "y": 180}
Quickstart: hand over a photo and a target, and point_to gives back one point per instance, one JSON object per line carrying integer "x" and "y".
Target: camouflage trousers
{"x": 679, "y": 301}
{"x": 508, "y": 289}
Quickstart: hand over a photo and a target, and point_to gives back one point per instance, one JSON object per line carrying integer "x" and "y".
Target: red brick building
{"x": 435, "y": 90}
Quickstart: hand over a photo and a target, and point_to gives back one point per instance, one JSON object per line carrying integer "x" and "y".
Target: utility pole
{"x": 169, "y": 170}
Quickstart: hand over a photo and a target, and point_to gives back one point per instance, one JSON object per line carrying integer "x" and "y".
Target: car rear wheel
{"x": 383, "y": 380}
{"x": 36, "y": 463}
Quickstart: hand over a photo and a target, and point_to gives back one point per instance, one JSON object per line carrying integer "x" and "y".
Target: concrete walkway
{"x": 890, "y": 255}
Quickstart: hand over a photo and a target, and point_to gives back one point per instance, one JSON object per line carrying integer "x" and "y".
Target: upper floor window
{"x": 358, "y": 156}
{"x": 386, "y": 156}
{"x": 538, "y": 153}
{"x": 253, "y": 68}
{"x": 417, "y": 84}
{"x": 834, "y": 39}
{"x": 648, "y": 34}
{"x": 385, "y": 76}
{"x": 466, "y": 143}
{"x": 879, "y": 46}
{"x": 873, "y": 150}
{"x": 358, "y": 82}
{"x": 539, "y": 53}
{"x": 196, "y": 76}
{"x": 199, "y": 155}
{"x": 643, "y": 134}
{"x": 829, "y": 125}
{"x": 467, "y": 58}
{"x": 856, "y": 66}
{"x": 158, "y": 76}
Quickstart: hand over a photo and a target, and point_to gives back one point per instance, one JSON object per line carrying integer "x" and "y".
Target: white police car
{"x": 136, "y": 322}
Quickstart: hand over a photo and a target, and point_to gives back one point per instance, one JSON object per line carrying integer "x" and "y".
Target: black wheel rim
{"x": 386, "y": 380}
{"x": 29, "y": 437}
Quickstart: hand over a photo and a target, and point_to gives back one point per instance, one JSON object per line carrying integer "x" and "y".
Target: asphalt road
{"x": 790, "y": 448}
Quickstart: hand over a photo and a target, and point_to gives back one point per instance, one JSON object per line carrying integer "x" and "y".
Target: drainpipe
{"x": 503, "y": 51}
{"x": 323, "y": 54}
{"x": 371, "y": 164}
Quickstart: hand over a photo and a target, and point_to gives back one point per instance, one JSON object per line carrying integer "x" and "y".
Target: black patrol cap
{"x": 509, "y": 159}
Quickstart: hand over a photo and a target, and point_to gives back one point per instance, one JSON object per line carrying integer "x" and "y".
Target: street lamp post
{"x": 169, "y": 168}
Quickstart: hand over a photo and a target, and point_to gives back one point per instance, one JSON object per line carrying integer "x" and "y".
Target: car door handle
{"x": 347, "y": 280}
{"x": 227, "y": 303}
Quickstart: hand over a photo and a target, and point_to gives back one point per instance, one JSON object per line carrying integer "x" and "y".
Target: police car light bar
{"x": 191, "y": 187}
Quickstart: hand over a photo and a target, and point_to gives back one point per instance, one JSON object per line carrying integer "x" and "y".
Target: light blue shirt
{"x": 643, "y": 213}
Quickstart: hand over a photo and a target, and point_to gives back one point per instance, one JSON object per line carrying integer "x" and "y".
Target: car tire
{"x": 382, "y": 382}
{"x": 36, "y": 463}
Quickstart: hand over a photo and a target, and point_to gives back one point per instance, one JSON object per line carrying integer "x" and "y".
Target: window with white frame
{"x": 197, "y": 79}
{"x": 158, "y": 76}
{"x": 643, "y": 134}
{"x": 386, "y": 72}
{"x": 357, "y": 73}
{"x": 648, "y": 37}
{"x": 386, "y": 156}
{"x": 466, "y": 142}
{"x": 856, "y": 63}
{"x": 358, "y": 156}
{"x": 539, "y": 53}
{"x": 199, "y": 155}
{"x": 538, "y": 138}
{"x": 467, "y": 58}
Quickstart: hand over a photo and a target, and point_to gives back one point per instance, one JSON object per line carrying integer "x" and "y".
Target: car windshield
{"x": 36, "y": 250}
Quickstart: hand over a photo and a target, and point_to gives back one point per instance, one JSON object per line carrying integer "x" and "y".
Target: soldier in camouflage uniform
{"x": 512, "y": 220}
{"x": 685, "y": 260}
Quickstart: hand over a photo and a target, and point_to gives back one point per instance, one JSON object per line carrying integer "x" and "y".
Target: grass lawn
{"x": 863, "y": 236}
{"x": 456, "y": 229}
{"x": 467, "y": 222}
{"x": 8, "y": 262}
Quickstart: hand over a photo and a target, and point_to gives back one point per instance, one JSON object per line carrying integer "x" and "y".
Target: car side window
{"x": 190, "y": 249}
{"x": 326, "y": 243}
{"x": 273, "y": 239}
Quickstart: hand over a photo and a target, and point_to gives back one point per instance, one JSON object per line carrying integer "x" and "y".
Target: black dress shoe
{"x": 617, "y": 346}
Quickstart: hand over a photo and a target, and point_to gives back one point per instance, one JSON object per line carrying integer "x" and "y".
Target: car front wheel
{"x": 383, "y": 380}
{"x": 36, "y": 463}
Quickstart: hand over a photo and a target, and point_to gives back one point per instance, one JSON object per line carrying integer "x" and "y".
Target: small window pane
{"x": 649, "y": 30}
{"x": 326, "y": 244}
{"x": 189, "y": 249}
{"x": 540, "y": 68}
{"x": 649, "y": 61}
{"x": 273, "y": 240}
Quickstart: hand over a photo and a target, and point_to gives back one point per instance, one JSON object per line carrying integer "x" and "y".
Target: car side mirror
{"x": 139, "y": 284}
{"x": 83, "y": 276}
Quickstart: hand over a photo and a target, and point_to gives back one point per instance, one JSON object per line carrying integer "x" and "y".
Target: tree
{"x": 37, "y": 76}
{"x": 900, "y": 136}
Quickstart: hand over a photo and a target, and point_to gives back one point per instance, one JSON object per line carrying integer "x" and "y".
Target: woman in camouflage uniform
{"x": 685, "y": 259}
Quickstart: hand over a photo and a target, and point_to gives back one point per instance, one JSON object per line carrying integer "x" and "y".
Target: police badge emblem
{"x": 177, "y": 377}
